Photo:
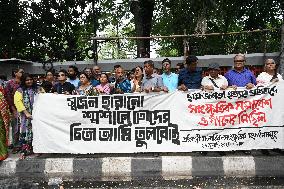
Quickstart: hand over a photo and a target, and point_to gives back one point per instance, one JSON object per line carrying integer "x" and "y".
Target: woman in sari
{"x": 137, "y": 80}
{"x": 86, "y": 88}
{"x": 24, "y": 100}
{"x": 10, "y": 89}
{"x": 4, "y": 125}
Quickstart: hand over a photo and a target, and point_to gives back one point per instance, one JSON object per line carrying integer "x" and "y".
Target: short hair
{"x": 181, "y": 65}
{"x": 76, "y": 70}
{"x": 190, "y": 59}
{"x": 270, "y": 60}
{"x": 116, "y": 66}
{"x": 87, "y": 69}
{"x": 240, "y": 54}
{"x": 83, "y": 73}
{"x": 63, "y": 71}
{"x": 150, "y": 62}
{"x": 167, "y": 60}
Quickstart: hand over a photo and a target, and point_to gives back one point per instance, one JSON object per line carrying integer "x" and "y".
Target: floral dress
{"x": 24, "y": 100}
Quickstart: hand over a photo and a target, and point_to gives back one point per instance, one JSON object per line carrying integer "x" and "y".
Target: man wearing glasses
{"x": 239, "y": 76}
{"x": 63, "y": 87}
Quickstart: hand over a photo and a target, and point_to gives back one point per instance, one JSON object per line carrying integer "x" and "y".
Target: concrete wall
{"x": 128, "y": 64}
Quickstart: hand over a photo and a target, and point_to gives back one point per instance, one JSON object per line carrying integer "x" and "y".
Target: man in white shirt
{"x": 214, "y": 81}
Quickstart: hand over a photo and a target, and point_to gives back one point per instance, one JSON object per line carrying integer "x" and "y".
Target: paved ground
{"x": 145, "y": 170}
{"x": 194, "y": 183}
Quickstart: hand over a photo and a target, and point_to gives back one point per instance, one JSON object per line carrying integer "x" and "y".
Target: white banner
{"x": 160, "y": 122}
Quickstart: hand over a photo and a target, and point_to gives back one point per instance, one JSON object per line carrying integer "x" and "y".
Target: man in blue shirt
{"x": 72, "y": 76}
{"x": 239, "y": 76}
{"x": 122, "y": 84}
{"x": 191, "y": 76}
{"x": 170, "y": 80}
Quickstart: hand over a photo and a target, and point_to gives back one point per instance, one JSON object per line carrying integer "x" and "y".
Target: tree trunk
{"x": 143, "y": 14}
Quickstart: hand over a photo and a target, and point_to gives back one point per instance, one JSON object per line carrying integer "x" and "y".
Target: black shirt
{"x": 47, "y": 86}
{"x": 61, "y": 89}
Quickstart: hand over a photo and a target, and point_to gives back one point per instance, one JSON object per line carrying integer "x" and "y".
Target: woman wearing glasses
{"x": 270, "y": 74}
{"x": 86, "y": 88}
{"x": 24, "y": 100}
{"x": 62, "y": 86}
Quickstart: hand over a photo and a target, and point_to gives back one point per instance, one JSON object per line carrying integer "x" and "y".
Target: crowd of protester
{"x": 17, "y": 95}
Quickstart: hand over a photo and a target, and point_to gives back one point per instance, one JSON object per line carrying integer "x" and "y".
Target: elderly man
{"x": 96, "y": 73}
{"x": 122, "y": 84}
{"x": 151, "y": 82}
{"x": 191, "y": 76}
{"x": 239, "y": 76}
{"x": 214, "y": 80}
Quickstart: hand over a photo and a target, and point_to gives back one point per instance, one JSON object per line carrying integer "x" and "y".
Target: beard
{"x": 72, "y": 77}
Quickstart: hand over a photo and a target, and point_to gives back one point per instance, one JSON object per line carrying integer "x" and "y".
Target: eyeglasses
{"x": 22, "y": 72}
{"x": 61, "y": 75}
{"x": 270, "y": 63}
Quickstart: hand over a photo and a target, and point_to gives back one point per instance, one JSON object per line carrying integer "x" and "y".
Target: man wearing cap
{"x": 191, "y": 76}
{"x": 214, "y": 81}
{"x": 170, "y": 80}
{"x": 240, "y": 76}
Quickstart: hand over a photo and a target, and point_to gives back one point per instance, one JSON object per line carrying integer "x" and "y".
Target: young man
{"x": 72, "y": 76}
{"x": 179, "y": 67}
{"x": 170, "y": 80}
{"x": 191, "y": 76}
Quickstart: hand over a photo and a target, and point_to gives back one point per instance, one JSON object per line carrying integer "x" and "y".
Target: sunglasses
{"x": 61, "y": 75}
